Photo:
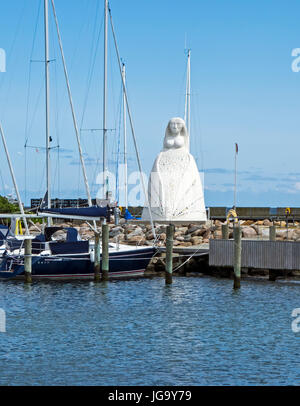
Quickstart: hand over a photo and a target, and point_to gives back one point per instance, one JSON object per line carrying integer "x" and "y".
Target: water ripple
{"x": 196, "y": 332}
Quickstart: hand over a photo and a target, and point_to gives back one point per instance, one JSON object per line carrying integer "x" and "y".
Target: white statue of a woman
{"x": 175, "y": 190}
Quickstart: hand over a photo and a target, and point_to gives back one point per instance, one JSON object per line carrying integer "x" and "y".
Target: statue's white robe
{"x": 175, "y": 190}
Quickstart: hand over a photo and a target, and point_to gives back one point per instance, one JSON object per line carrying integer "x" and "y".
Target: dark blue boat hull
{"x": 68, "y": 267}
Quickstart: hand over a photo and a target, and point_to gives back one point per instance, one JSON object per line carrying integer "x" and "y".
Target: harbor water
{"x": 198, "y": 331}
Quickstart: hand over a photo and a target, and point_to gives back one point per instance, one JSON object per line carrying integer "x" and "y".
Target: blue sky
{"x": 243, "y": 90}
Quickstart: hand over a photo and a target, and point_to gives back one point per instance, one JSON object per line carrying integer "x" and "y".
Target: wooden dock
{"x": 201, "y": 250}
{"x": 258, "y": 254}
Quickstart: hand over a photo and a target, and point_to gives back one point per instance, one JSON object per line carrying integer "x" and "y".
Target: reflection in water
{"x": 197, "y": 331}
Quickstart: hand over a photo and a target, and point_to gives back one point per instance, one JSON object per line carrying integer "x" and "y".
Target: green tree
{"x": 6, "y": 207}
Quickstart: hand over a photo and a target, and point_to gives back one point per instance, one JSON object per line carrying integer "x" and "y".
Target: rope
{"x": 180, "y": 266}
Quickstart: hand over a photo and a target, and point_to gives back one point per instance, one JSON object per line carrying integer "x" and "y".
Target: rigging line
{"x": 80, "y": 36}
{"x": 59, "y": 182}
{"x": 57, "y": 109}
{"x": 39, "y": 147}
{"x": 199, "y": 130}
{"x": 8, "y": 93}
{"x": 57, "y": 127}
{"x": 40, "y": 190}
{"x": 25, "y": 174}
{"x": 113, "y": 93}
{"x": 35, "y": 110}
{"x": 182, "y": 86}
{"x": 131, "y": 125}
{"x": 98, "y": 154}
{"x": 14, "y": 40}
{"x": 28, "y": 98}
{"x": 30, "y": 72}
{"x": 55, "y": 79}
{"x": 2, "y": 181}
{"x": 92, "y": 67}
{"x": 77, "y": 42}
{"x": 114, "y": 144}
{"x": 21, "y": 208}
{"x": 72, "y": 109}
{"x": 118, "y": 150}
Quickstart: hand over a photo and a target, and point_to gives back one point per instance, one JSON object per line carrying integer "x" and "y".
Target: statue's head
{"x": 176, "y": 134}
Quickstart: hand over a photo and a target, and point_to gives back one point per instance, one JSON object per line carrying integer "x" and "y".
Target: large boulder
{"x": 201, "y": 231}
{"x": 196, "y": 240}
{"x": 259, "y": 223}
{"x": 296, "y": 234}
{"x": 285, "y": 234}
{"x": 136, "y": 232}
{"x": 267, "y": 223}
{"x": 135, "y": 240}
{"x": 116, "y": 231}
{"x": 192, "y": 228}
{"x": 248, "y": 232}
{"x": 162, "y": 237}
{"x": 149, "y": 235}
{"x": 217, "y": 235}
{"x": 185, "y": 244}
{"x": 60, "y": 235}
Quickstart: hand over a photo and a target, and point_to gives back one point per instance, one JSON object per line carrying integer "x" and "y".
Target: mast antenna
{"x": 187, "y": 110}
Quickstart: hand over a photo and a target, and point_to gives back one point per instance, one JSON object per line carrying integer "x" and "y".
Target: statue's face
{"x": 175, "y": 127}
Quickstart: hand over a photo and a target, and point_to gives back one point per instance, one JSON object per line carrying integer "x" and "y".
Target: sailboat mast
{"x": 187, "y": 114}
{"x": 47, "y": 61}
{"x": 105, "y": 177}
{"x": 87, "y": 188}
{"x": 125, "y": 137}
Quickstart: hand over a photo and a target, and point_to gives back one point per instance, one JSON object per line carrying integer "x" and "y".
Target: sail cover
{"x": 93, "y": 211}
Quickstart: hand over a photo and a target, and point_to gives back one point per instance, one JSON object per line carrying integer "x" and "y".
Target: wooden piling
{"x": 237, "y": 234}
{"x": 125, "y": 232}
{"x": 105, "y": 252}
{"x": 97, "y": 258}
{"x": 272, "y": 233}
{"x": 28, "y": 260}
{"x": 169, "y": 254}
{"x": 117, "y": 215}
{"x": 225, "y": 231}
{"x": 272, "y": 275}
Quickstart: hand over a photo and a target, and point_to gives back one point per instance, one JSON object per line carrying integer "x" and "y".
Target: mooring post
{"x": 272, "y": 275}
{"x": 237, "y": 234}
{"x": 169, "y": 254}
{"x": 117, "y": 215}
{"x": 28, "y": 260}
{"x": 97, "y": 257}
{"x": 125, "y": 232}
{"x": 225, "y": 231}
{"x": 272, "y": 233}
{"x": 105, "y": 252}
